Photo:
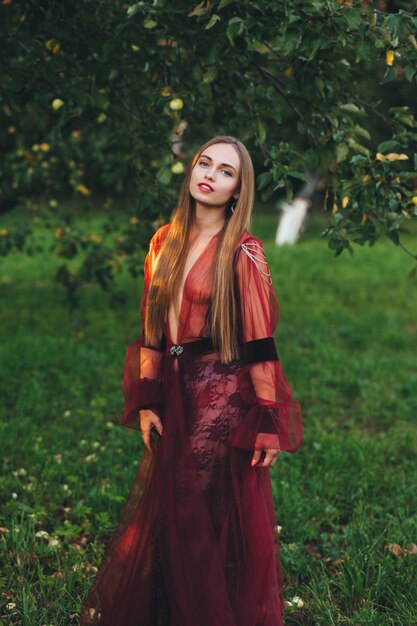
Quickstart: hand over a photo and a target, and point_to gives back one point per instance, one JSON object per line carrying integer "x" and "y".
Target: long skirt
{"x": 197, "y": 542}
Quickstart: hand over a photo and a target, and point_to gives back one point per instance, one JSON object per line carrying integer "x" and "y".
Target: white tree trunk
{"x": 294, "y": 215}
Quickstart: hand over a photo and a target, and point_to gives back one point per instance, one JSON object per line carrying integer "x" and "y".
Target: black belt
{"x": 201, "y": 345}
{"x": 251, "y": 351}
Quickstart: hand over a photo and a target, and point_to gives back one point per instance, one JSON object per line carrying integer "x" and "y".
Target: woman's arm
{"x": 274, "y": 418}
{"x": 142, "y": 367}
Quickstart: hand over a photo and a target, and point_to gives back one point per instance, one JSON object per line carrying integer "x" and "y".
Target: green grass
{"x": 346, "y": 337}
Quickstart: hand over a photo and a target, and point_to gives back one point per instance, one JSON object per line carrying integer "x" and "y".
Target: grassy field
{"x": 346, "y": 500}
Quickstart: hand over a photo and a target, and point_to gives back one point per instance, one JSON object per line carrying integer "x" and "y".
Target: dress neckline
{"x": 199, "y": 257}
{"x": 192, "y": 268}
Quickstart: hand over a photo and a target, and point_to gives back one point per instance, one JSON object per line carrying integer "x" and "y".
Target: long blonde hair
{"x": 166, "y": 279}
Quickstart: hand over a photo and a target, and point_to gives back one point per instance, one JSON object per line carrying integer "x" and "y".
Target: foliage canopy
{"x": 95, "y": 96}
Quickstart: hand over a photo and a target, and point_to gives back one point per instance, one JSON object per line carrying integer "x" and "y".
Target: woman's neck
{"x": 207, "y": 225}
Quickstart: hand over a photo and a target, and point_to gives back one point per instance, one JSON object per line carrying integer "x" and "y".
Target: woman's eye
{"x": 225, "y": 171}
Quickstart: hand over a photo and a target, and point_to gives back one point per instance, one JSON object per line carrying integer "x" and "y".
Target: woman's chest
{"x": 193, "y": 299}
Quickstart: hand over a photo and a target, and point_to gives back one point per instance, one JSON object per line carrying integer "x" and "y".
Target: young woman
{"x": 197, "y": 543}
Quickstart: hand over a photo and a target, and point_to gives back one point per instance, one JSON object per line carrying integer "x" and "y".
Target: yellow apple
{"x": 177, "y": 168}
{"x": 176, "y": 104}
{"x": 57, "y": 104}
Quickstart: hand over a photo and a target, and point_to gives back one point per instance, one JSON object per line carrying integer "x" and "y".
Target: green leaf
{"x": 290, "y": 193}
{"x": 409, "y": 72}
{"x": 394, "y": 24}
{"x": 300, "y": 127}
{"x": 261, "y": 131}
{"x": 246, "y": 132}
{"x": 295, "y": 174}
{"x": 149, "y": 23}
{"x": 164, "y": 175}
{"x": 264, "y": 179}
{"x": 200, "y": 9}
{"x": 364, "y": 49}
{"x": 342, "y": 150}
{"x": 311, "y": 160}
{"x": 197, "y": 73}
{"x": 210, "y": 75}
{"x": 289, "y": 42}
{"x": 279, "y": 184}
{"x": 359, "y": 148}
{"x": 224, "y": 3}
{"x": 408, "y": 120}
{"x": 212, "y": 21}
{"x": 380, "y": 43}
{"x": 319, "y": 82}
{"x": 403, "y": 109}
{"x": 234, "y": 28}
{"x": 349, "y": 107}
{"x": 361, "y": 131}
{"x": 135, "y": 8}
{"x": 353, "y": 17}
{"x": 390, "y": 74}
{"x": 214, "y": 53}
{"x": 316, "y": 47}
{"x": 390, "y": 145}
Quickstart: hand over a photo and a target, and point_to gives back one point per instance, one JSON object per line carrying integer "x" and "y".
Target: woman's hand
{"x": 271, "y": 454}
{"x": 148, "y": 419}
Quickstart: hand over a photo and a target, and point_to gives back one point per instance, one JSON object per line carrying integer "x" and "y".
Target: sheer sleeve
{"x": 274, "y": 418}
{"x": 142, "y": 366}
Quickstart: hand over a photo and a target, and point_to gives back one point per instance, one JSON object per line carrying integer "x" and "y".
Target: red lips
{"x": 205, "y": 187}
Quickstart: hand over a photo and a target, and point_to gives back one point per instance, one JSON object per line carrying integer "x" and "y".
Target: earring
{"x": 233, "y": 206}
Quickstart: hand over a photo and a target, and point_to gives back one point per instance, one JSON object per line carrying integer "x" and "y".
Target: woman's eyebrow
{"x": 210, "y": 159}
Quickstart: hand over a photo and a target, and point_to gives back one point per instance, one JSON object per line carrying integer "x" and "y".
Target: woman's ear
{"x": 236, "y": 195}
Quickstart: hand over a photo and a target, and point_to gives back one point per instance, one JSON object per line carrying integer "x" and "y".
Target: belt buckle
{"x": 176, "y": 349}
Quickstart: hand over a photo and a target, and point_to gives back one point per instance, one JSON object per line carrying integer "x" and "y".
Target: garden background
{"x": 102, "y": 105}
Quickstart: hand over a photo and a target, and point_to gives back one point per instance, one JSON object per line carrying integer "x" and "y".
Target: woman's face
{"x": 215, "y": 178}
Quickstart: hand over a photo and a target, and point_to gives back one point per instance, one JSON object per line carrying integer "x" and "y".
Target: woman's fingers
{"x": 148, "y": 419}
{"x": 146, "y": 434}
{"x": 157, "y": 423}
{"x": 256, "y": 457}
{"x": 270, "y": 458}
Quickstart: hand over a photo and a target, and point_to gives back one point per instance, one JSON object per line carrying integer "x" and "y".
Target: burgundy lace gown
{"x": 197, "y": 542}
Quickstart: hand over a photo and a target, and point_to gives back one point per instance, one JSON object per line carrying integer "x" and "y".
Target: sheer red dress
{"x": 197, "y": 542}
